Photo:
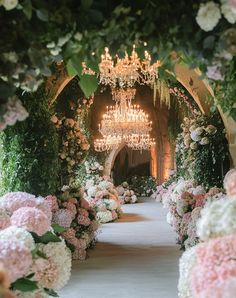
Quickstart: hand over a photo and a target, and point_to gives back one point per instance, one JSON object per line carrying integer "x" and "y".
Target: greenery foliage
{"x": 144, "y": 186}
{"x": 202, "y": 150}
{"x": 37, "y": 33}
{"x": 29, "y": 150}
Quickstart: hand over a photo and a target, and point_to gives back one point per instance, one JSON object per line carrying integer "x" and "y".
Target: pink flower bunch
{"x": 216, "y": 262}
{"x": 71, "y": 207}
{"x": 5, "y": 220}
{"x": 32, "y": 219}
{"x": 15, "y": 200}
{"x": 70, "y": 237}
{"x": 62, "y": 217}
{"x": 16, "y": 258}
{"x": 114, "y": 215}
{"x": 52, "y": 201}
{"x": 83, "y": 217}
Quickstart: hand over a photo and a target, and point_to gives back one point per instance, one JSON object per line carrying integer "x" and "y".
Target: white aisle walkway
{"x": 134, "y": 258}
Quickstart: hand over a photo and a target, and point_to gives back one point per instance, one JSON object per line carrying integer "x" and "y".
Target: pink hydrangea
{"x": 32, "y": 219}
{"x": 46, "y": 272}
{"x": 81, "y": 244}
{"x": 16, "y": 258}
{"x": 71, "y": 207}
{"x": 200, "y": 200}
{"x": 62, "y": 217}
{"x": 5, "y": 220}
{"x": 52, "y": 201}
{"x": 73, "y": 201}
{"x": 83, "y": 220}
{"x": 114, "y": 215}
{"x": 216, "y": 262}
{"x": 83, "y": 212}
{"x": 79, "y": 254}
{"x": 70, "y": 237}
{"x": 84, "y": 204}
{"x": 15, "y": 200}
{"x": 221, "y": 289}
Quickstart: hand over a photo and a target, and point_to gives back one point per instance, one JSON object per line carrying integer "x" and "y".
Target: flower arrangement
{"x": 126, "y": 195}
{"x": 36, "y": 260}
{"x": 213, "y": 273}
{"x": 202, "y": 139}
{"x": 184, "y": 201}
{"x": 100, "y": 192}
{"x": 78, "y": 220}
{"x": 143, "y": 186}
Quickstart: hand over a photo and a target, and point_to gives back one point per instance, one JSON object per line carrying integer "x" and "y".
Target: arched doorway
{"x": 129, "y": 163}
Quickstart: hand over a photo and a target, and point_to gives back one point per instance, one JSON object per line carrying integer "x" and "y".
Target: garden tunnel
{"x": 162, "y": 156}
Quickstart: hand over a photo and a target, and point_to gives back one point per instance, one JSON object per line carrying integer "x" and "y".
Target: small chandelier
{"x": 127, "y": 71}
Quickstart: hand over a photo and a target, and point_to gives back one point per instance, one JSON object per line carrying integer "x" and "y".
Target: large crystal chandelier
{"x": 125, "y": 72}
{"x": 124, "y": 122}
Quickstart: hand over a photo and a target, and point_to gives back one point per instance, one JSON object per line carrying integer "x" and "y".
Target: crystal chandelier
{"x": 124, "y": 122}
{"x": 127, "y": 71}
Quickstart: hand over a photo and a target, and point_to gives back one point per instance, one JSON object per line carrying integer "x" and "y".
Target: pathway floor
{"x": 135, "y": 257}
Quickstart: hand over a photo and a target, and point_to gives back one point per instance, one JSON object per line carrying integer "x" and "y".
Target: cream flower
{"x": 208, "y": 16}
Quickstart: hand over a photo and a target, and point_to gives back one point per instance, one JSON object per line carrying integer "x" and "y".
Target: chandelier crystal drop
{"x": 107, "y": 143}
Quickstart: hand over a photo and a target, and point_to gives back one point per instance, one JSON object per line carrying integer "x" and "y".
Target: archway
{"x": 199, "y": 89}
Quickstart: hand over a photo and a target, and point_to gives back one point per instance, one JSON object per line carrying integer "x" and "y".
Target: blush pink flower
{"x": 84, "y": 204}
{"x": 114, "y": 215}
{"x": 71, "y": 207}
{"x": 79, "y": 254}
{"x": 16, "y": 258}
{"x": 15, "y": 200}
{"x": 73, "y": 201}
{"x": 83, "y": 220}
{"x": 5, "y": 220}
{"x": 70, "y": 237}
{"x": 200, "y": 200}
{"x": 62, "y": 217}
{"x": 52, "y": 201}
{"x": 32, "y": 219}
{"x": 216, "y": 262}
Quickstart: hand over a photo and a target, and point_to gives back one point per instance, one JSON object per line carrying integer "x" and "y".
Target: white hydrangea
{"x": 111, "y": 204}
{"x": 134, "y": 199}
{"x": 89, "y": 183}
{"x": 60, "y": 255}
{"x": 208, "y": 15}
{"x": 40, "y": 293}
{"x": 18, "y": 234}
{"x": 170, "y": 218}
{"x": 217, "y": 219}
{"x": 92, "y": 191}
{"x": 106, "y": 184}
{"x": 199, "y": 190}
{"x": 187, "y": 263}
{"x": 228, "y": 12}
{"x": 104, "y": 216}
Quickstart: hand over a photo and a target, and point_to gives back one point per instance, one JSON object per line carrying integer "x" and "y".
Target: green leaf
{"x": 86, "y": 4}
{"x": 58, "y": 229}
{"x": 24, "y": 285}
{"x": 209, "y": 42}
{"x": 50, "y": 292}
{"x": 27, "y": 8}
{"x": 233, "y": 113}
{"x": 46, "y": 238}
{"x": 71, "y": 70}
{"x": 42, "y": 14}
{"x": 88, "y": 84}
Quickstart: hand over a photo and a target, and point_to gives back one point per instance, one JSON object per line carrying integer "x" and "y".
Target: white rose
{"x": 229, "y": 13}
{"x": 9, "y": 4}
{"x": 204, "y": 141}
{"x": 208, "y": 16}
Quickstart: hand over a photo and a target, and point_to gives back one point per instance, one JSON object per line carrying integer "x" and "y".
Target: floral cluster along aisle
{"x": 33, "y": 257}
{"x": 100, "y": 192}
{"x": 208, "y": 269}
{"x": 126, "y": 194}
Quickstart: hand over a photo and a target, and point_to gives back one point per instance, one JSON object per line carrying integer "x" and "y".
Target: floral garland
{"x": 35, "y": 259}
{"x": 202, "y": 139}
{"x": 74, "y": 142}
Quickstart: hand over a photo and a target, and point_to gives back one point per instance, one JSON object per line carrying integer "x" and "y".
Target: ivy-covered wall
{"x": 29, "y": 150}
